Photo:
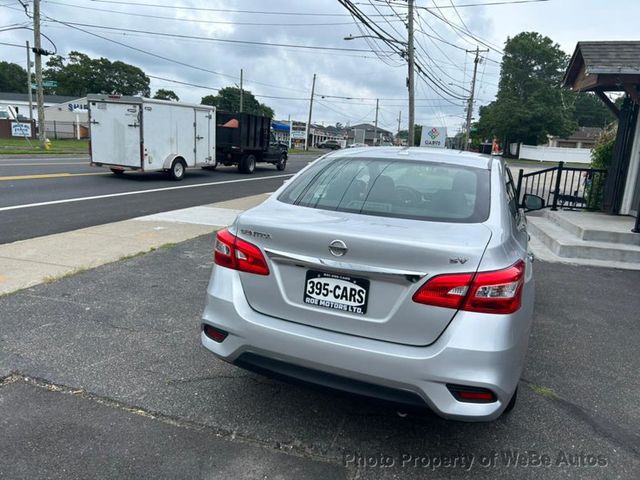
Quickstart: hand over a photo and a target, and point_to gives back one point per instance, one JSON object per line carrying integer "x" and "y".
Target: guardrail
{"x": 564, "y": 187}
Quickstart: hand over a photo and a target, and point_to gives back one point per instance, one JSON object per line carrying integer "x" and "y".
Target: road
{"x": 110, "y": 381}
{"x": 41, "y": 196}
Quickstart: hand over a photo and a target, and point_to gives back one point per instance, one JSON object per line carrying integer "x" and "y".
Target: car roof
{"x": 436, "y": 155}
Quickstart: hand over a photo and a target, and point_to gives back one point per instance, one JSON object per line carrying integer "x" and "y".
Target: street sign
{"x": 433, "y": 137}
{"x": 46, "y": 84}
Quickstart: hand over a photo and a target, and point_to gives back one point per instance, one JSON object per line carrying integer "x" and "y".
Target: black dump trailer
{"x": 244, "y": 139}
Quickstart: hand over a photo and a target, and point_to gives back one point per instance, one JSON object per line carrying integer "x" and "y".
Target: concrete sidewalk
{"x": 40, "y": 260}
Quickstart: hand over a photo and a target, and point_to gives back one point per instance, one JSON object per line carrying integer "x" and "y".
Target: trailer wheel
{"x": 282, "y": 163}
{"x": 178, "y": 168}
{"x": 117, "y": 171}
{"x": 247, "y": 164}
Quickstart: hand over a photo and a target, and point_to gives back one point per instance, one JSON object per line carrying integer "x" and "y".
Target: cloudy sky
{"x": 350, "y": 74}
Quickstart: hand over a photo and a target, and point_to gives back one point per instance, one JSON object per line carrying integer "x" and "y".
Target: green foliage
{"x": 228, "y": 100}
{"x": 417, "y": 134}
{"x": 162, "y": 94}
{"x": 530, "y": 103}
{"x": 80, "y": 74}
{"x": 13, "y": 78}
{"x": 601, "y": 156}
{"x": 602, "y": 152}
{"x": 589, "y": 111}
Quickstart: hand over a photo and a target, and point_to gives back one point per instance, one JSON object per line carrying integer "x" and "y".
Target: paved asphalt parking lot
{"x": 104, "y": 376}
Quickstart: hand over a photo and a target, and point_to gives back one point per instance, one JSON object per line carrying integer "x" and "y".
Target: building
{"x": 584, "y": 137}
{"x": 614, "y": 66}
{"x": 369, "y": 135}
{"x": 65, "y": 116}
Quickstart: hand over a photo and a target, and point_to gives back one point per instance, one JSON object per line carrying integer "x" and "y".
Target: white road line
{"x": 138, "y": 192}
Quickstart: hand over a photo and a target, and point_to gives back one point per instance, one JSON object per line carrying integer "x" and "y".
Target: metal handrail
{"x": 560, "y": 186}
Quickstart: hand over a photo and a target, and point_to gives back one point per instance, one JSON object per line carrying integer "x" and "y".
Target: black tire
{"x": 117, "y": 171}
{"x": 247, "y": 164}
{"x": 177, "y": 170}
{"x": 512, "y": 403}
{"x": 282, "y": 163}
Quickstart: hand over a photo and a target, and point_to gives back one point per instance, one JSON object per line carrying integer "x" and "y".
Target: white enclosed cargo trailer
{"x": 148, "y": 135}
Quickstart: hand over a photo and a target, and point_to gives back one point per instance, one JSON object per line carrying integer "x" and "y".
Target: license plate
{"x": 336, "y": 292}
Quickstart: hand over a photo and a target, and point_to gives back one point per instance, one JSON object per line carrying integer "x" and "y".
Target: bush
{"x": 602, "y": 152}
{"x": 601, "y": 157}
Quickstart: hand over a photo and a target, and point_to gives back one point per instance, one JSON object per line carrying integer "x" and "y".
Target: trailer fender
{"x": 168, "y": 161}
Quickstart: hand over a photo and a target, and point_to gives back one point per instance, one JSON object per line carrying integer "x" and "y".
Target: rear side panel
{"x": 115, "y": 133}
{"x": 168, "y": 131}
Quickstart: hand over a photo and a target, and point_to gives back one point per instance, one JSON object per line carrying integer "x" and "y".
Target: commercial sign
{"x": 299, "y": 134}
{"x": 75, "y": 107}
{"x": 20, "y": 129}
{"x": 433, "y": 137}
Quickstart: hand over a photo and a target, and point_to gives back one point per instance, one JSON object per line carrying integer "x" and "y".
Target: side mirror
{"x": 532, "y": 202}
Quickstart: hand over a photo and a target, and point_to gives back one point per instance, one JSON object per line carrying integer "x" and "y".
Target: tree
{"x": 80, "y": 74}
{"x": 13, "y": 78}
{"x": 228, "y": 100}
{"x": 417, "y": 134}
{"x": 530, "y": 104}
{"x": 589, "y": 111}
{"x": 162, "y": 94}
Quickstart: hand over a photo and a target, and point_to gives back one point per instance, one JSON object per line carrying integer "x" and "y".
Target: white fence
{"x": 555, "y": 154}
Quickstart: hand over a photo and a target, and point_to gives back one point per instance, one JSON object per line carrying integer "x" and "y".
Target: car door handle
{"x": 198, "y": 137}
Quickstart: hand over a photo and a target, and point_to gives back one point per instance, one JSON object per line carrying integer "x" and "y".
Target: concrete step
{"x": 590, "y": 226}
{"x": 565, "y": 244}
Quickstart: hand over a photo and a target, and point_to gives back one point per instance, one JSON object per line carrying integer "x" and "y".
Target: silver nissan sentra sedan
{"x": 395, "y": 273}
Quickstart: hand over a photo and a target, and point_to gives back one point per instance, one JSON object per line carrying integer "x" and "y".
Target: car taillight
{"x": 499, "y": 291}
{"x": 233, "y": 252}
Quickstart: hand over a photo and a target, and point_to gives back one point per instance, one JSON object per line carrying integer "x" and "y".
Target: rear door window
{"x": 394, "y": 188}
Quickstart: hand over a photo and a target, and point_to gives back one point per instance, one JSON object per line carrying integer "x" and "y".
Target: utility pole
{"x": 399, "y": 120}
{"x": 290, "y": 131}
{"x": 306, "y": 136}
{"x": 29, "y": 82}
{"x": 410, "y": 79}
{"x": 40, "y": 92}
{"x": 241, "y": 91}
{"x": 375, "y": 126}
{"x": 470, "y": 104}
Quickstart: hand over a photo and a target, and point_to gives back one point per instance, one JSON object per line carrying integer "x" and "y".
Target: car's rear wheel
{"x": 117, "y": 171}
{"x": 282, "y": 162}
{"x": 247, "y": 164}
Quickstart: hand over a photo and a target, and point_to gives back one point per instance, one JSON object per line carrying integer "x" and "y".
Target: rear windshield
{"x": 394, "y": 188}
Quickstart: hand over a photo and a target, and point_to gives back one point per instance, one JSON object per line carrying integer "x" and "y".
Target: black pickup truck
{"x": 244, "y": 139}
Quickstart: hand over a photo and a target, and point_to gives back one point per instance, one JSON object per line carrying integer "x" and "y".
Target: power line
{"x": 211, "y": 39}
{"x": 207, "y": 9}
{"x": 487, "y": 4}
{"x": 214, "y": 22}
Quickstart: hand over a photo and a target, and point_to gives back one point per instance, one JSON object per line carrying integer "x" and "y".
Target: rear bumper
{"x": 475, "y": 350}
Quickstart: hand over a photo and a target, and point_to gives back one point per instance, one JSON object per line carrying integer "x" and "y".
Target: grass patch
{"x": 311, "y": 151}
{"x": 54, "y": 278}
{"x": 19, "y": 146}
{"x": 164, "y": 246}
{"x": 544, "y": 391}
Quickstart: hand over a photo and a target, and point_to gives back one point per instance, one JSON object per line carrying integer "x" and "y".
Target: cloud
{"x": 287, "y": 72}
